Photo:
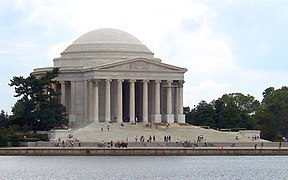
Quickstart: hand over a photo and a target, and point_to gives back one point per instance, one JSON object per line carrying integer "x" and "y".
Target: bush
{"x": 15, "y": 140}
{"x": 29, "y": 139}
{"x": 43, "y": 137}
{"x": 40, "y": 137}
{"x": 3, "y": 141}
{"x": 237, "y": 129}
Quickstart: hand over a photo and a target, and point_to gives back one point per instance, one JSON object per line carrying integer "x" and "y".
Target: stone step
{"x": 93, "y": 133}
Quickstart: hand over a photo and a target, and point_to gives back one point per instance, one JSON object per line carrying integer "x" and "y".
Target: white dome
{"x": 107, "y": 40}
{"x": 102, "y": 46}
{"x": 107, "y": 36}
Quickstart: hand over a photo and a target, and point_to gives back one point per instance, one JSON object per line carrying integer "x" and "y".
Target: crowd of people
{"x": 70, "y": 142}
{"x": 150, "y": 138}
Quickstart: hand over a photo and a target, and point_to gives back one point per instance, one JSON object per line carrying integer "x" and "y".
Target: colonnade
{"x": 103, "y": 100}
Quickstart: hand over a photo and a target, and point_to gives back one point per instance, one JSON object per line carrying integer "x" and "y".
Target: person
{"x": 262, "y": 144}
{"x": 279, "y": 145}
{"x": 71, "y": 135}
{"x": 154, "y": 138}
{"x": 198, "y": 139}
{"x": 205, "y": 142}
{"x": 255, "y": 146}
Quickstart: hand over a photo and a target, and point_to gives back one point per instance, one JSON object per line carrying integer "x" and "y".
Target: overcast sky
{"x": 226, "y": 45}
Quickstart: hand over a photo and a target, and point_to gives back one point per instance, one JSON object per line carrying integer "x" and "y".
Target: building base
{"x": 170, "y": 118}
{"x": 181, "y": 118}
{"x": 156, "y": 118}
{"x": 72, "y": 118}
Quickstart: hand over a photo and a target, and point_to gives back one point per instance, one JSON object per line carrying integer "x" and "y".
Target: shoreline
{"x": 143, "y": 151}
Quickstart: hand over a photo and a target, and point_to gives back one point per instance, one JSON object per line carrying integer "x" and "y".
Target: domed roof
{"x": 102, "y": 46}
{"x": 107, "y": 35}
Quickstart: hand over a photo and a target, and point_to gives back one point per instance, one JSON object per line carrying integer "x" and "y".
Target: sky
{"x": 228, "y": 46}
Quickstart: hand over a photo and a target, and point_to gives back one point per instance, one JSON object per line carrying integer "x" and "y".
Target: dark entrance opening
{"x": 126, "y": 101}
{"x": 139, "y": 101}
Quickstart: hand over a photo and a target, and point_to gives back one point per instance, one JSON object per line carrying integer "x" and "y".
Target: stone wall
{"x": 139, "y": 152}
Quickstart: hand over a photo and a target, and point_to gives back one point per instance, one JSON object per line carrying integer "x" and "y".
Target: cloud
{"x": 206, "y": 90}
{"x": 163, "y": 26}
{"x": 9, "y": 47}
{"x": 202, "y": 36}
{"x": 55, "y": 50}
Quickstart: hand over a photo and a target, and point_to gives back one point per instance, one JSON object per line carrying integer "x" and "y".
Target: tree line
{"x": 237, "y": 111}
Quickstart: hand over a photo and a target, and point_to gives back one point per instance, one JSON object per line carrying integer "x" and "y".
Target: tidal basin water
{"x": 143, "y": 167}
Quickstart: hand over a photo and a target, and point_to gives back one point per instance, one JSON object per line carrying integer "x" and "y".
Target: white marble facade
{"x": 109, "y": 75}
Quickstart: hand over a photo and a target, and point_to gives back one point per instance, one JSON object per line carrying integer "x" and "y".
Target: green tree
{"x": 187, "y": 113}
{"x": 233, "y": 110}
{"x": 219, "y": 106}
{"x": 4, "y": 119}
{"x": 275, "y": 111}
{"x": 3, "y": 141}
{"x": 266, "y": 125}
{"x": 38, "y": 106}
{"x": 236, "y": 110}
{"x": 204, "y": 115}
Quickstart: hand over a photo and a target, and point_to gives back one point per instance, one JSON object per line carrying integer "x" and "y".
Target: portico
{"x": 126, "y": 99}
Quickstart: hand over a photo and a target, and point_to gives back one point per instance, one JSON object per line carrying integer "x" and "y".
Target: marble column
{"x": 96, "y": 104}
{"x": 63, "y": 93}
{"x": 119, "y": 101}
{"x": 132, "y": 100}
{"x": 72, "y": 115}
{"x": 169, "y": 116}
{"x": 107, "y": 101}
{"x": 85, "y": 103}
{"x": 181, "y": 116}
{"x": 91, "y": 100}
{"x": 157, "y": 115}
{"x": 145, "y": 101}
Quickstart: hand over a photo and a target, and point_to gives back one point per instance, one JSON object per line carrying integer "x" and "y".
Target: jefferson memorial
{"x": 108, "y": 75}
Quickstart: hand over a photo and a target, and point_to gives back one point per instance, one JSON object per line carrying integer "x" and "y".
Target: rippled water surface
{"x": 144, "y": 167}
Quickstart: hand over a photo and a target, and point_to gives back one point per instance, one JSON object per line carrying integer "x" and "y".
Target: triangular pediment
{"x": 140, "y": 64}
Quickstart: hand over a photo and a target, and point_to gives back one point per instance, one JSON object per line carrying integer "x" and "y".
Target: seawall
{"x": 136, "y": 151}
